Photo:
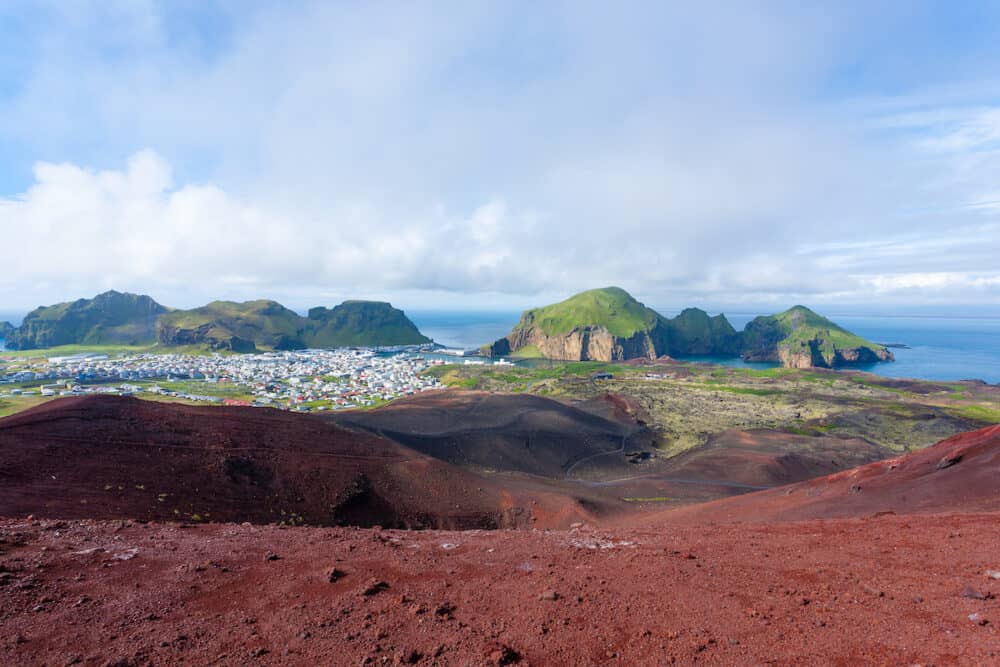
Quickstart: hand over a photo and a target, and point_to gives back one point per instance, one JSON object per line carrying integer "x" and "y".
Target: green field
{"x": 690, "y": 402}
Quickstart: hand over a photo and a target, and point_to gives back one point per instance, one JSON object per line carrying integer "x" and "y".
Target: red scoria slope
{"x": 678, "y": 588}
{"x": 887, "y": 591}
{"x": 958, "y": 474}
{"x": 108, "y": 457}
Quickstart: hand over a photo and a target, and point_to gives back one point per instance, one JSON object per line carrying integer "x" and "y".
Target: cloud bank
{"x": 433, "y": 155}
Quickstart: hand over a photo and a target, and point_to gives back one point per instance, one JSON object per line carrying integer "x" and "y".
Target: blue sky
{"x": 457, "y": 155}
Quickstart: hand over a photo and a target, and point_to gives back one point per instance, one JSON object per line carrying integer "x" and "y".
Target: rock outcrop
{"x": 800, "y": 338}
{"x": 610, "y": 325}
{"x": 237, "y": 327}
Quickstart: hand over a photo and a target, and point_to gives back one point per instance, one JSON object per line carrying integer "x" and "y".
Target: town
{"x": 307, "y": 380}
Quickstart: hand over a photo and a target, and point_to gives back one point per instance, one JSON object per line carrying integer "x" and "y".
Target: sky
{"x": 501, "y": 155}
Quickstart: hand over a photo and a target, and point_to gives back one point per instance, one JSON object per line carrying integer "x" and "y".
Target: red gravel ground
{"x": 724, "y": 583}
{"x": 958, "y": 474}
{"x": 891, "y": 590}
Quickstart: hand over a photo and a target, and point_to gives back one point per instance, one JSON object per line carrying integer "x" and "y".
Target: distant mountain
{"x": 6, "y": 329}
{"x": 361, "y": 323}
{"x": 599, "y": 324}
{"x": 800, "y": 338}
{"x": 239, "y": 327}
{"x": 608, "y": 324}
{"x": 114, "y": 318}
{"x": 111, "y": 318}
{"x": 694, "y": 332}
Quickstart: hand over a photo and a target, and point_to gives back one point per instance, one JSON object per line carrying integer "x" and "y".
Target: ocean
{"x": 938, "y": 348}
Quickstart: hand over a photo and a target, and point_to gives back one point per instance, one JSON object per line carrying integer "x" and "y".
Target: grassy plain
{"x": 688, "y": 403}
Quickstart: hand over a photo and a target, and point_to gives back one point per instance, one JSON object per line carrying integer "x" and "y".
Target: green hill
{"x": 114, "y": 318}
{"x": 611, "y": 307}
{"x": 240, "y": 327}
{"x": 609, "y": 324}
{"x": 694, "y": 332}
{"x": 802, "y": 338}
{"x": 111, "y": 318}
{"x": 361, "y": 323}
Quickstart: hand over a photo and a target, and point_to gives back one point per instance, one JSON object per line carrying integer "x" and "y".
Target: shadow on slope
{"x": 110, "y": 457}
{"x": 511, "y": 433}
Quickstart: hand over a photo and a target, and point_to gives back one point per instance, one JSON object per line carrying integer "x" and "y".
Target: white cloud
{"x": 315, "y": 152}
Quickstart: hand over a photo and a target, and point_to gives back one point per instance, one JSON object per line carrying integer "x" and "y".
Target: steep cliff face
{"x": 693, "y": 332}
{"x": 609, "y": 325}
{"x": 800, "y": 338}
{"x": 227, "y": 325}
{"x": 581, "y": 344}
{"x": 206, "y": 335}
{"x": 111, "y": 318}
{"x": 597, "y": 325}
{"x": 361, "y": 323}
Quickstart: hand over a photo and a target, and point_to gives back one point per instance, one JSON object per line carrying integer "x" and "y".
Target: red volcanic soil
{"x": 887, "y": 591}
{"x": 959, "y": 474}
{"x": 772, "y": 458}
{"x": 684, "y": 587}
{"x": 737, "y": 462}
{"x": 108, "y": 457}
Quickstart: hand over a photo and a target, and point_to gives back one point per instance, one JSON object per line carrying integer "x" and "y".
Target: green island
{"x": 608, "y": 324}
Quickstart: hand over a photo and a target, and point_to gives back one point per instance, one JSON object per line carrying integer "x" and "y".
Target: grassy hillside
{"x": 111, "y": 318}
{"x": 264, "y": 323}
{"x": 610, "y": 307}
{"x": 799, "y": 328}
{"x": 695, "y": 332}
{"x": 361, "y": 323}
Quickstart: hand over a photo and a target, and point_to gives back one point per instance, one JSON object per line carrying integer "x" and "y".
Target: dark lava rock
{"x": 505, "y": 655}
{"x": 374, "y": 587}
{"x": 949, "y": 461}
{"x": 973, "y": 594}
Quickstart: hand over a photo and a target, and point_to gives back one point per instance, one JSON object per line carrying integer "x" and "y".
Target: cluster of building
{"x": 300, "y": 380}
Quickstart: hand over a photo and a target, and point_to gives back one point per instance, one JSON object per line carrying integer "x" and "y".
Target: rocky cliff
{"x": 610, "y": 325}
{"x": 237, "y": 327}
{"x": 693, "y": 332}
{"x": 800, "y": 338}
{"x": 586, "y": 343}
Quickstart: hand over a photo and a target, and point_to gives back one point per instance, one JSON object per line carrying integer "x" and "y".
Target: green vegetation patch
{"x": 610, "y": 307}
